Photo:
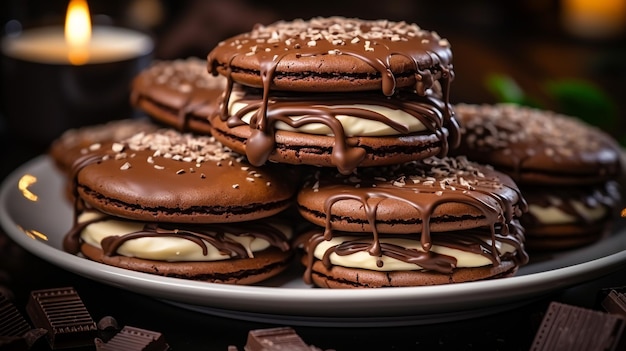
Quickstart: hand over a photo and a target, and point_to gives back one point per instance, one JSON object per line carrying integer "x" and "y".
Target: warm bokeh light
{"x": 24, "y": 183}
{"x": 594, "y": 18}
{"x": 624, "y": 213}
{"x": 78, "y": 31}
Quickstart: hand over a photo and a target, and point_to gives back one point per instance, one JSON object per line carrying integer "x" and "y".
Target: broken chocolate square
{"x": 615, "y": 302}
{"x": 134, "y": 339}
{"x": 12, "y": 323}
{"x": 15, "y": 332}
{"x": 63, "y": 314}
{"x": 275, "y": 339}
{"x": 567, "y": 327}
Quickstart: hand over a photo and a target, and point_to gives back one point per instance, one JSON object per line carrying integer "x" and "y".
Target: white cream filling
{"x": 364, "y": 260}
{"x": 163, "y": 248}
{"x": 554, "y": 215}
{"x": 353, "y": 126}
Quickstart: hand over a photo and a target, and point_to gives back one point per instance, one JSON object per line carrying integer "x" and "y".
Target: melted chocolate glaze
{"x": 474, "y": 241}
{"x": 429, "y": 57}
{"x": 214, "y": 234}
{"x": 536, "y": 146}
{"x": 423, "y": 185}
{"x": 324, "y": 109}
{"x": 605, "y": 196}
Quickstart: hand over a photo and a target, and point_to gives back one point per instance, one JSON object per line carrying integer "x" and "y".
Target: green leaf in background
{"x": 505, "y": 89}
{"x": 584, "y": 100}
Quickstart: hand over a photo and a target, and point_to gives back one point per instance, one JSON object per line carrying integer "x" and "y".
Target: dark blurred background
{"x": 529, "y": 52}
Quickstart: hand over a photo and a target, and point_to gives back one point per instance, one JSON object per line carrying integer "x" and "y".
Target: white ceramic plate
{"x": 39, "y": 226}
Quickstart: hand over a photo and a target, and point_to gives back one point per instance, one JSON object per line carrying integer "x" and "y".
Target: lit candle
{"x": 594, "y": 19}
{"x": 77, "y": 43}
{"x": 57, "y": 77}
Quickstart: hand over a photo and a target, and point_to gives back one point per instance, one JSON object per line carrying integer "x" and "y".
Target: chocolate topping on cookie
{"x": 330, "y": 55}
{"x": 391, "y": 54}
{"x": 422, "y": 196}
{"x": 180, "y": 89}
{"x": 343, "y": 117}
{"x": 202, "y": 235}
{"x": 167, "y": 176}
{"x": 537, "y": 146}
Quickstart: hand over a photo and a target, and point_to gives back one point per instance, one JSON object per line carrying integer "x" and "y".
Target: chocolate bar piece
{"x": 63, "y": 314}
{"x": 15, "y": 332}
{"x": 276, "y": 339}
{"x": 567, "y": 327}
{"x": 12, "y": 323}
{"x": 107, "y": 328}
{"x": 134, "y": 339}
{"x": 615, "y": 302}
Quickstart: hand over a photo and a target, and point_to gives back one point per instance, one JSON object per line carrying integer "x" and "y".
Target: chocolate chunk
{"x": 134, "y": 339}
{"x": 615, "y": 302}
{"x": 567, "y": 327}
{"x": 276, "y": 339}
{"x": 107, "y": 328}
{"x": 12, "y": 323}
{"x": 63, "y": 314}
{"x": 15, "y": 332}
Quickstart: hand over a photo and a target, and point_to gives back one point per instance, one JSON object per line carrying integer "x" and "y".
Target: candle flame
{"x": 78, "y": 31}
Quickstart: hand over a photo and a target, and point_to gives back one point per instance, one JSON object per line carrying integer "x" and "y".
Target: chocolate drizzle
{"x": 476, "y": 241}
{"x": 213, "y": 234}
{"x": 185, "y": 147}
{"x": 424, "y": 185}
{"x": 604, "y": 196}
{"x": 324, "y": 109}
{"x": 352, "y": 42}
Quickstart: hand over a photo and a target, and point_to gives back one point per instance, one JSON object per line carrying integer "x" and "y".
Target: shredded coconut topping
{"x": 502, "y": 125}
{"x": 184, "y": 74}
{"x": 447, "y": 173}
{"x": 183, "y": 147}
{"x": 338, "y": 31}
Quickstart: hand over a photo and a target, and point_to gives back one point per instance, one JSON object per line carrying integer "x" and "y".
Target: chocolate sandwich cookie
{"x": 335, "y": 91}
{"x": 167, "y": 176}
{"x": 237, "y": 253}
{"x": 178, "y": 93}
{"x": 567, "y": 217}
{"x": 335, "y": 54}
{"x": 435, "y": 194}
{"x": 537, "y": 146}
{"x": 76, "y": 142}
{"x": 566, "y": 169}
{"x": 435, "y": 221}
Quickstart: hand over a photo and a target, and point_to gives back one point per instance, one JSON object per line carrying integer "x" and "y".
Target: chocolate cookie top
{"x": 174, "y": 92}
{"x": 537, "y": 146}
{"x": 168, "y": 176}
{"x": 76, "y": 142}
{"x": 432, "y": 195}
{"x": 335, "y": 54}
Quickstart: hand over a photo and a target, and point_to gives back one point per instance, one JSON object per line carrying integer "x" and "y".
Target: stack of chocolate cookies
{"x": 338, "y": 127}
{"x": 362, "y": 107}
{"x": 168, "y": 201}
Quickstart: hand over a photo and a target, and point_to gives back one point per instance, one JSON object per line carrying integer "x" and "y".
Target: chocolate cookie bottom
{"x": 263, "y": 265}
